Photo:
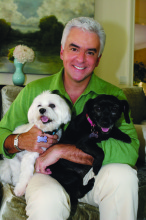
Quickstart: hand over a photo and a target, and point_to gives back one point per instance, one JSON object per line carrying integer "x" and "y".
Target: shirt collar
{"x": 57, "y": 83}
{"x": 95, "y": 85}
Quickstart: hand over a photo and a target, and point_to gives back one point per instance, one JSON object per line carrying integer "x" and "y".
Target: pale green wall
{"x": 118, "y": 19}
{"x": 6, "y": 78}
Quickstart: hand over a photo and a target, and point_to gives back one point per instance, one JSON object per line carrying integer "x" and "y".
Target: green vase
{"x": 18, "y": 76}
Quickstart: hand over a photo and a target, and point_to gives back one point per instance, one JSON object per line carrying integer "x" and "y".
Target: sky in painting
{"x": 27, "y": 13}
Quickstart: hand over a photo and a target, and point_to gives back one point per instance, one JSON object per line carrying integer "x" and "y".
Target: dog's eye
{"x": 114, "y": 110}
{"x": 98, "y": 109}
{"x": 39, "y": 105}
{"x": 51, "y": 105}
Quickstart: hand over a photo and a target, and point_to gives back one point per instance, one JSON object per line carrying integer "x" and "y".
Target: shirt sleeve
{"x": 117, "y": 151}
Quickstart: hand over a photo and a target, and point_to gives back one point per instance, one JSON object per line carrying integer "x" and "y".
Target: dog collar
{"x": 90, "y": 121}
{"x": 94, "y": 134}
{"x": 51, "y": 132}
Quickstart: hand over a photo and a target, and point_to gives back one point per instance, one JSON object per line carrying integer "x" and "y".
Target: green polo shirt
{"x": 115, "y": 151}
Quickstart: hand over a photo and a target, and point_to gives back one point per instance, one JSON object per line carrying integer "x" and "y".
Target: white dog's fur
{"x": 20, "y": 169}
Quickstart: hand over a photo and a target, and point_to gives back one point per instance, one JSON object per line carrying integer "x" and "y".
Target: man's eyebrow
{"x": 90, "y": 49}
{"x": 74, "y": 45}
{"x": 93, "y": 49}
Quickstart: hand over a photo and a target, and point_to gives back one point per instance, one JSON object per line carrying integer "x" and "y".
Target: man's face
{"x": 80, "y": 54}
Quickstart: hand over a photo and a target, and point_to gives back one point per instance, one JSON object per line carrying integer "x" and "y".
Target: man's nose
{"x": 81, "y": 57}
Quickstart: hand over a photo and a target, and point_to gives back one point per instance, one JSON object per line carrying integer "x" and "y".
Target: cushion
{"x": 8, "y": 94}
{"x": 136, "y": 98}
{"x": 13, "y": 207}
{"x": 142, "y": 204}
{"x": 85, "y": 212}
{"x": 141, "y": 132}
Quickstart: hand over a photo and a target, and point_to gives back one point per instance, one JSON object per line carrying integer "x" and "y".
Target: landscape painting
{"x": 37, "y": 24}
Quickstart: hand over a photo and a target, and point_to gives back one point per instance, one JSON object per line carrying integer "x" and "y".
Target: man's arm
{"x": 28, "y": 141}
{"x": 61, "y": 151}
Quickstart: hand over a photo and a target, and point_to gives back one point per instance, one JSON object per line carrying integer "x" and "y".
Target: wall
{"x": 140, "y": 31}
{"x": 117, "y": 18}
{"x": 6, "y": 78}
{"x": 140, "y": 12}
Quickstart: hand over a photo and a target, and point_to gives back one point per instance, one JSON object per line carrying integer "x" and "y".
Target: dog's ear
{"x": 65, "y": 112}
{"x": 30, "y": 113}
{"x": 125, "y": 110}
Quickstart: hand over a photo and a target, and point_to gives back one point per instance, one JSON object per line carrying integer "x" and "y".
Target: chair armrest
{"x": 139, "y": 130}
{"x": 8, "y": 95}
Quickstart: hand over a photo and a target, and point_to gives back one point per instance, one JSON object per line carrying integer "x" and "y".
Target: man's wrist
{"x": 58, "y": 150}
{"x": 65, "y": 151}
{"x": 16, "y": 143}
{"x": 72, "y": 153}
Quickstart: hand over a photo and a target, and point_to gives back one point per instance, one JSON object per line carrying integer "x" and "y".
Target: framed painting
{"x": 37, "y": 24}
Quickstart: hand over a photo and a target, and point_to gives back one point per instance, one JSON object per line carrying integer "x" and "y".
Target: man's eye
{"x": 73, "y": 49}
{"x": 91, "y": 53}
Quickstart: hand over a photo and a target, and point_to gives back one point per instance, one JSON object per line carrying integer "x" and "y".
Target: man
{"x": 116, "y": 186}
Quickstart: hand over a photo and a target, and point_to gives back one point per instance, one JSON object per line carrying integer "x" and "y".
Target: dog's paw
{"x": 91, "y": 183}
{"x": 95, "y": 170}
{"x": 96, "y": 166}
{"x": 19, "y": 190}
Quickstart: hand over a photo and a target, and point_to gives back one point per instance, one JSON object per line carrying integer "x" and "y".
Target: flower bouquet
{"x": 22, "y": 53}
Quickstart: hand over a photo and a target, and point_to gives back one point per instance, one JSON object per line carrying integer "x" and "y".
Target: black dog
{"x": 94, "y": 124}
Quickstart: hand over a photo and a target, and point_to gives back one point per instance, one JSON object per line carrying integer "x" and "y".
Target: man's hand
{"x": 64, "y": 151}
{"x": 28, "y": 141}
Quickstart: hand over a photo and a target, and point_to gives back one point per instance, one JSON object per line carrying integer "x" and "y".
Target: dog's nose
{"x": 104, "y": 123}
{"x": 42, "y": 110}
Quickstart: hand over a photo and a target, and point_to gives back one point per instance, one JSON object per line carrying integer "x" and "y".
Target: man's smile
{"x": 79, "y": 68}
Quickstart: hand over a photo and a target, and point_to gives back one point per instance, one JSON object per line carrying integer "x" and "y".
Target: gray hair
{"x": 88, "y": 24}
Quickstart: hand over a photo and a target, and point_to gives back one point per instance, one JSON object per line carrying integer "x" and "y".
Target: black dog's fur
{"x": 103, "y": 111}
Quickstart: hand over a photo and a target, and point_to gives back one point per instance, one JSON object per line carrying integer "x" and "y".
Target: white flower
{"x": 23, "y": 54}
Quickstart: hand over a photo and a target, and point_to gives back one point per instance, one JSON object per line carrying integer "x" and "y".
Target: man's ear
{"x": 98, "y": 60}
{"x": 61, "y": 53}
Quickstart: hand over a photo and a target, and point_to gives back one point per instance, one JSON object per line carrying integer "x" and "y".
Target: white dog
{"x": 48, "y": 112}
